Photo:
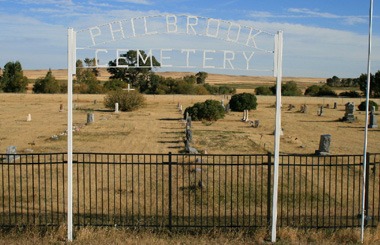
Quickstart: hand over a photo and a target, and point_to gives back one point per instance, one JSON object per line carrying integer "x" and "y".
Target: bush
{"x": 223, "y": 89}
{"x": 210, "y": 110}
{"x": 312, "y": 90}
{"x": 288, "y": 89}
{"x": 128, "y": 101}
{"x": 326, "y": 90}
{"x": 46, "y": 85}
{"x": 114, "y": 84}
{"x": 263, "y": 90}
{"x": 350, "y": 94}
{"x": 244, "y": 101}
{"x": 361, "y": 107}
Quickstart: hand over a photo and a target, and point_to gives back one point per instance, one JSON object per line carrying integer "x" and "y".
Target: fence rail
{"x": 187, "y": 191}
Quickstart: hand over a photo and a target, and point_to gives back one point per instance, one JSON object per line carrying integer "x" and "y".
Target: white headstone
{"x": 29, "y": 118}
{"x": 116, "y": 107}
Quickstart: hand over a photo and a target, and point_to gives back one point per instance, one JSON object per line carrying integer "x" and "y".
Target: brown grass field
{"x": 158, "y": 128}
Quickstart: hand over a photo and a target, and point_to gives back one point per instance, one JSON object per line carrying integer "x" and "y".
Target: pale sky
{"x": 321, "y": 38}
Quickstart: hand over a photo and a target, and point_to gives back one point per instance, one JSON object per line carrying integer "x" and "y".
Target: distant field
{"x": 157, "y": 128}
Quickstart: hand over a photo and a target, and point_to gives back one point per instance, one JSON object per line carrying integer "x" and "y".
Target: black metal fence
{"x": 187, "y": 191}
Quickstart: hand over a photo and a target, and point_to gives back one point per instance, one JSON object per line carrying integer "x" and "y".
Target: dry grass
{"x": 157, "y": 128}
{"x": 116, "y": 236}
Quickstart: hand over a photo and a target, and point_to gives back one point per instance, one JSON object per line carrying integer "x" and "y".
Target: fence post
{"x": 366, "y": 213}
{"x": 170, "y": 192}
{"x": 269, "y": 184}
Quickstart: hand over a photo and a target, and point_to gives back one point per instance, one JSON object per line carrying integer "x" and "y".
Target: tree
{"x": 290, "y": 88}
{"x": 313, "y": 90}
{"x": 334, "y": 81}
{"x": 134, "y": 71}
{"x": 374, "y": 84}
{"x": 46, "y": 85}
{"x": 87, "y": 78}
{"x": 243, "y": 101}
{"x": 201, "y": 77}
{"x": 371, "y": 103}
{"x": 13, "y": 79}
{"x": 210, "y": 110}
{"x": 263, "y": 90}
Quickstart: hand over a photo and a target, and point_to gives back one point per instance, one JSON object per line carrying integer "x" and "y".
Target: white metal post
{"x": 363, "y": 211}
{"x": 278, "y": 72}
{"x": 71, "y": 53}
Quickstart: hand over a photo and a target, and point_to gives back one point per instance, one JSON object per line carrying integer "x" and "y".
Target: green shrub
{"x": 128, "y": 101}
{"x": 263, "y": 90}
{"x": 312, "y": 90}
{"x": 290, "y": 88}
{"x": 243, "y": 101}
{"x": 361, "y": 107}
{"x": 114, "y": 84}
{"x": 325, "y": 90}
{"x": 350, "y": 94}
{"x": 47, "y": 85}
{"x": 210, "y": 110}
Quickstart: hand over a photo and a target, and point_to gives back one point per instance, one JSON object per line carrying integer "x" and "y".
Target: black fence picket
{"x": 181, "y": 191}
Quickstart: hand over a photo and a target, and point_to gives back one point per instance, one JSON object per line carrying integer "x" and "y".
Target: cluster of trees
{"x": 137, "y": 70}
{"x": 86, "y": 80}
{"x": 289, "y": 88}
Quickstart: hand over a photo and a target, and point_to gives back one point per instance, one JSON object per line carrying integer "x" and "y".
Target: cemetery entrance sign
{"x": 262, "y": 52}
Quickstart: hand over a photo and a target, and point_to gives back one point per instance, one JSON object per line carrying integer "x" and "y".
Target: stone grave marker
{"x": 189, "y": 135}
{"x": 188, "y": 122}
{"x": 372, "y": 118}
{"x": 349, "y": 113}
{"x": 11, "y": 151}
{"x": 335, "y": 105}
{"x": 90, "y": 118}
{"x": 60, "y": 107}
{"x": 291, "y": 107}
{"x": 29, "y": 118}
{"x": 324, "y": 145}
{"x": 116, "y": 107}
{"x": 320, "y": 111}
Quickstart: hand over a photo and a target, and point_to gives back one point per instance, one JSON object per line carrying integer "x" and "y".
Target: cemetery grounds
{"x": 158, "y": 128}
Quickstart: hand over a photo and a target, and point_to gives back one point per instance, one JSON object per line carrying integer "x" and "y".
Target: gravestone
{"x": 335, "y": 105}
{"x": 95, "y": 101}
{"x": 255, "y": 123}
{"x": 320, "y": 111}
{"x": 324, "y": 145}
{"x": 116, "y": 107}
{"x": 60, "y": 107}
{"x": 189, "y": 149}
{"x": 29, "y": 118}
{"x": 189, "y": 135}
{"x": 349, "y": 113}
{"x": 303, "y": 108}
{"x": 90, "y": 118}
{"x": 188, "y": 122}
{"x": 244, "y": 117}
{"x": 11, "y": 151}
{"x": 227, "y": 109}
{"x": 372, "y": 118}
